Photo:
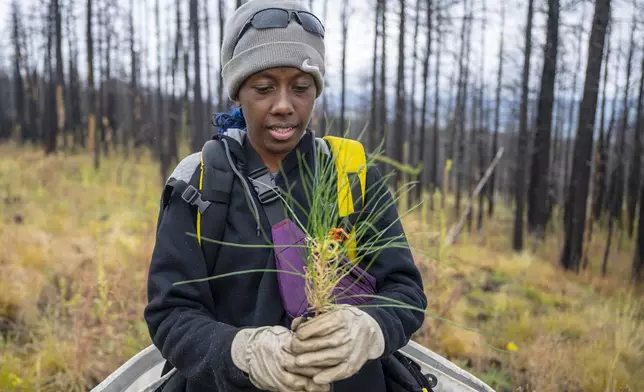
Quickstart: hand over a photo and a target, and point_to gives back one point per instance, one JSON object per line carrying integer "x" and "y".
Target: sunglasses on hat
{"x": 270, "y": 18}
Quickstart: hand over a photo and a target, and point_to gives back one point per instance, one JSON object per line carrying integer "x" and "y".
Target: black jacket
{"x": 193, "y": 325}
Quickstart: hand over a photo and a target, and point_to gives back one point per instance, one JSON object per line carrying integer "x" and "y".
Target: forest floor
{"x": 76, "y": 246}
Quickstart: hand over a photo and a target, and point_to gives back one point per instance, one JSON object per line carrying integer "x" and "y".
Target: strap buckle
{"x": 192, "y": 196}
{"x": 264, "y": 185}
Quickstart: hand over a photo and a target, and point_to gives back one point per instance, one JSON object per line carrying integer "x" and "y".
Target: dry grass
{"x": 574, "y": 332}
{"x": 76, "y": 246}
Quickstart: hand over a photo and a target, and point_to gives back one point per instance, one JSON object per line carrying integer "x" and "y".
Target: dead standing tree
{"x": 431, "y": 162}
{"x": 578, "y": 187}
{"x": 638, "y": 258}
{"x": 520, "y": 169}
{"x": 636, "y": 160}
{"x": 540, "y": 170}
{"x": 395, "y": 147}
{"x": 373, "y": 134}
{"x": 344, "y": 19}
{"x": 196, "y": 139}
{"x": 497, "y": 113}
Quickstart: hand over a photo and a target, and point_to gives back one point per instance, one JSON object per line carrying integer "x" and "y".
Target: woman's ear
{"x": 238, "y": 103}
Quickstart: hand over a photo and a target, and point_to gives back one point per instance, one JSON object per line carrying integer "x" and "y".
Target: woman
{"x": 233, "y": 334}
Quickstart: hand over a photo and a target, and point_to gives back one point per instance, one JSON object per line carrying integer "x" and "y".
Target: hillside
{"x": 76, "y": 244}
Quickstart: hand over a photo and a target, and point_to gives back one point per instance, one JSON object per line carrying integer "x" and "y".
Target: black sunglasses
{"x": 280, "y": 18}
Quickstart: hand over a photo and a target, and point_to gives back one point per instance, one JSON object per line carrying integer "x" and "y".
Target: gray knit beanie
{"x": 260, "y": 49}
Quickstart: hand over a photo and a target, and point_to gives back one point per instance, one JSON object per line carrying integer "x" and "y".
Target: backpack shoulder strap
{"x": 215, "y": 185}
{"x": 351, "y": 168}
{"x": 204, "y": 180}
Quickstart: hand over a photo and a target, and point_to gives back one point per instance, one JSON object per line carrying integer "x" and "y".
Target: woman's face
{"x": 277, "y": 105}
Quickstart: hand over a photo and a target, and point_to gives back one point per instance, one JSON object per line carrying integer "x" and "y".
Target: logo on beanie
{"x": 308, "y": 67}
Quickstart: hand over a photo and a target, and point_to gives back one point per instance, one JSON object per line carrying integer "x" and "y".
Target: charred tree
{"x": 208, "y": 105}
{"x": 482, "y": 124}
{"x": 91, "y": 97}
{"x": 435, "y": 179}
{"x": 373, "y": 135}
{"x": 603, "y": 141}
{"x": 196, "y": 138}
{"x": 414, "y": 135}
{"x": 636, "y": 160}
{"x": 569, "y": 137}
{"x": 458, "y": 136}
{"x": 383, "y": 118}
{"x": 615, "y": 189}
{"x": 19, "y": 86}
{"x": 428, "y": 176}
{"x": 638, "y": 258}
{"x": 539, "y": 177}
{"x": 58, "y": 110}
{"x": 344, "y": 19}
{"x": 520, "y": 166}
{"x": 221, "y": 100}
{"x": 323, "y": 120}
{"x": 75, "y": 122}
{"x": 395, "y": 147}
{"x": 578, "y": 187}
{"x": 497, "y": 114}
{"x": 175, "y": 111}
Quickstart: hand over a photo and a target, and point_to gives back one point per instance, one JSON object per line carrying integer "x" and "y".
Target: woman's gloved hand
{"x": 263, "y": 354}
{"x": 340, "y": 341}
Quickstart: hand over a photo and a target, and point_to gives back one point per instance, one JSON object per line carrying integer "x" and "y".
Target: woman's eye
{"x": 263, "y": 89}
{"x": 302, "y": 88}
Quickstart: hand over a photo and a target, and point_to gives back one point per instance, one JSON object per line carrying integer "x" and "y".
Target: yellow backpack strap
{"x": 350, "y": 163}
{"x": 201, "y": 168}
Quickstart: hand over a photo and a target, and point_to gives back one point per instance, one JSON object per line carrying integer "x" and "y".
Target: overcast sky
{"x": 360, "y": 37}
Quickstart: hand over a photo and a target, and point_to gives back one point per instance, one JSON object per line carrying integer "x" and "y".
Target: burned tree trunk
{"x": 395, "y": 146}
{"x": 497, "y": 112}
{"x": 373, "y": 134}
{"x": 636, "y": 160}
{"x": 325, "y": 103}
{"x": 603, "y": 143}
{"x": 568, "y": 136}
{"x": 58, "y": 110}
{"x": 196, "y": 139}
{"x": 482, "y": 123}
{"x": 91, "y": 98}
{"x": 344, "y": 16}
{"x": 383, "y": 118}
{"x": 208, "y": 105}
{"x": 175, "y": 111}
{"x": 221, "y": 100}
{"x": 414, "y": 135}
{"x": 539, "y": 184}
{"x": 519, "y": 174}
{"x": 638, "y": 259}
{"x": 134, "y": 108}
{"x": 19, "y": 86}
{"x": 458, "y": 138}
{"x": 429, "y": 175}
{"x": 578, "y": 186}
{"x": 435, "y": 179}
{"x": 74, "y": 117}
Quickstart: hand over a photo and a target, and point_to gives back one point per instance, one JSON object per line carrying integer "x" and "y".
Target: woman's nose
{"x": 283, "y": 104}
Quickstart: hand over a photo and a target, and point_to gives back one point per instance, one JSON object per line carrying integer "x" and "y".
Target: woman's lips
{"x": 282, "y": 133}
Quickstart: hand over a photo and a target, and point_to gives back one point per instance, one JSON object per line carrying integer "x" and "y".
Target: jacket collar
{"x": 248, "y": 159}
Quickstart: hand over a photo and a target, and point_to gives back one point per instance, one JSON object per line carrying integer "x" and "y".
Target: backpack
{"x": 210, "y": 187}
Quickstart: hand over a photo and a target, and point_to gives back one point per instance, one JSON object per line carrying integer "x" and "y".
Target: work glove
{"x": 340, "y": 342}
{"x": 263, "y": 354}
